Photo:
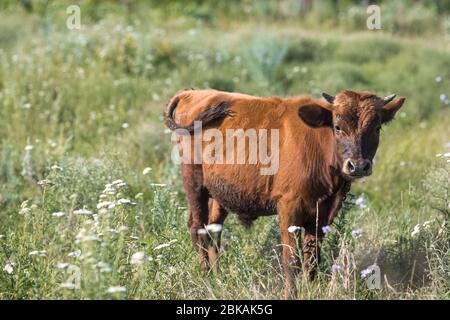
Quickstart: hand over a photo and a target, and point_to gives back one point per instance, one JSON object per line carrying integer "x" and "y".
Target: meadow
{"x": 91, "y": 205}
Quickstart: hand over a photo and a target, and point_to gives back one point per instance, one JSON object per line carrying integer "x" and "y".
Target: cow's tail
{"x": 207, "y": 116}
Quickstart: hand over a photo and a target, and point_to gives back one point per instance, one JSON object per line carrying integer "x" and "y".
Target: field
{"x": 82, "y": 216}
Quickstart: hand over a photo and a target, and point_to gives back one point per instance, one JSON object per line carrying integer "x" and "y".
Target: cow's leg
{"x": 290, "y": 256}
{"x": 311, "y": 252}
{"x": 197, "y": 197}
{"x": 217, "y": 215}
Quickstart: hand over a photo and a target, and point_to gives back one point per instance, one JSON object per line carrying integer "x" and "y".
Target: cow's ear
{"x": 390, "y": 109}
{"x": 315, "y": 115}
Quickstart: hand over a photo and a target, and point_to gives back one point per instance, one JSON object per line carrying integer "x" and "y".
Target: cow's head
{"x": 356, "y": 120}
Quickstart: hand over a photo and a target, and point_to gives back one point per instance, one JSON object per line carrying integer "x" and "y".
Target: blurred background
{"x": 81, "y": 108}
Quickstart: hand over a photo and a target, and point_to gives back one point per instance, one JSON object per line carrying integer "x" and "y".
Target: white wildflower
{"x": 58, "y": 214}
{"x": 416, "y": 230}
{"x": 123, "y": 201}
{"x": 146, "y": 170}
{"x": 125, "y": 125}
{"x": 104, "y": 204}
{"x": 45, "y": 182}
{"x": 38, "y": 253}
{"x": 75, "y": 254}
{"x": 104, "y": 267}
{"x": 116, "y": 289}
{"x": 82, "y": 212}
{"x": 293, "y": 229}
{"x": 68, "y": 285}
{"x": 165, "y": 245}
{"x": 62, "y": 265}
{"x": 9, "y": 267}
{"x": 214, "y": 227}
{"x": 29, "y": 147}
{"x": 139, "y": 257}
{"x": 158, "y": 184}
{"x": 356, "y": 233}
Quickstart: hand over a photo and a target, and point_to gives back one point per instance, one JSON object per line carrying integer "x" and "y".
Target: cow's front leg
{"x": 291, "y": 261}
{"x": 311, "y": 253}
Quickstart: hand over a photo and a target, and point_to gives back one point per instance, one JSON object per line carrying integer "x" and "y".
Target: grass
{"x": 81, "y": 109}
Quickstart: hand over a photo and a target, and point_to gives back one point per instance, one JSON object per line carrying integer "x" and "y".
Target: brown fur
{"x": 310, "y": 185}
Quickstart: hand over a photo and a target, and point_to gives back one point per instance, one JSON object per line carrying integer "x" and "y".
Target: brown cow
{"x": 323, "y": 147}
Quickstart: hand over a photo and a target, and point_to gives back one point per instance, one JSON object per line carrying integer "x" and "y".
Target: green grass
{"x": 68, "y": 94}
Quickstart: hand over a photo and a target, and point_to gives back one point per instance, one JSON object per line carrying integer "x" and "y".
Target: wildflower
{"x": 115, "y": 182}
{"x": 326, "y": 229}
{"x": 62, "y": 265}
{"x": 9, "y": 267}
{"x": 446, "y": 155}
{"x": 139, "y": 257}
{"x": 438, "y": 79}
{"x": 356, "y": 233}
{"x": 123, "y": 201}
{"x": 104, "y": 267}
{"x": 116, "y": 289}
{"x": 103, "y": 196}
{"x": 56, "y": 167}
{"x": 134, "y": 237}
{"x": 68, "y": 285}
{"x": 24, "y": 208}
{"x": 123, "y": 229}
{"x": 104, "y": 204}
{"x": 442, "y": 97}
{"x": 38, "y": 253}
{"x": 45, "y": 182}
{"x": 75, "y": 254}
{"x": 146, "y": 170}
{"x": 82, "y": 212}
{"x": 29, "y": 147}
{"x": 336, "y": 267}
{"x": 426, "y": 224}
{"x": 58, "y": 214}
{"x": 214, "y": 227}
{"x": 165, "y": 245}
{"x": 293, "y": 229}
{"x": 103, "y": 211}
{"x": 26, "y": 106}
{"x": 158, "y": 184}
{"x": 139, "y": 195}
{"x": 416, "y": 230}
{"x": 360, "y": 202}
{"x": 366, "y": 272}
{"x": 125, "y": 125}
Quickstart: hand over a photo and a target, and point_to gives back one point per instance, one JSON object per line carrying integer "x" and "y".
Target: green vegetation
{"x": 80, "y": 109}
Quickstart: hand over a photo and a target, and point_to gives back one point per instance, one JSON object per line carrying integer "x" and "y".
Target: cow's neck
{"x": 325, "y": 167}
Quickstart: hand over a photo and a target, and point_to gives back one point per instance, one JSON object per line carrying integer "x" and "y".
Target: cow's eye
{"x": 337, "y": 129}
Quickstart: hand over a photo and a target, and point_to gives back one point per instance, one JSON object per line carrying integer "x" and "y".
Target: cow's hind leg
{"x": 217, "y": 216}
{"x": 197, "y": 197}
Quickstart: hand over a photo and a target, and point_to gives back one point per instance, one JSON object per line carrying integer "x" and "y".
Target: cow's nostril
{"x": 367, "y": 166}
{"x": 350, "y": 166}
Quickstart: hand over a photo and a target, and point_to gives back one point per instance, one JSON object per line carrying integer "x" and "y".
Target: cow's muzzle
{"x": 357, "y": 168}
